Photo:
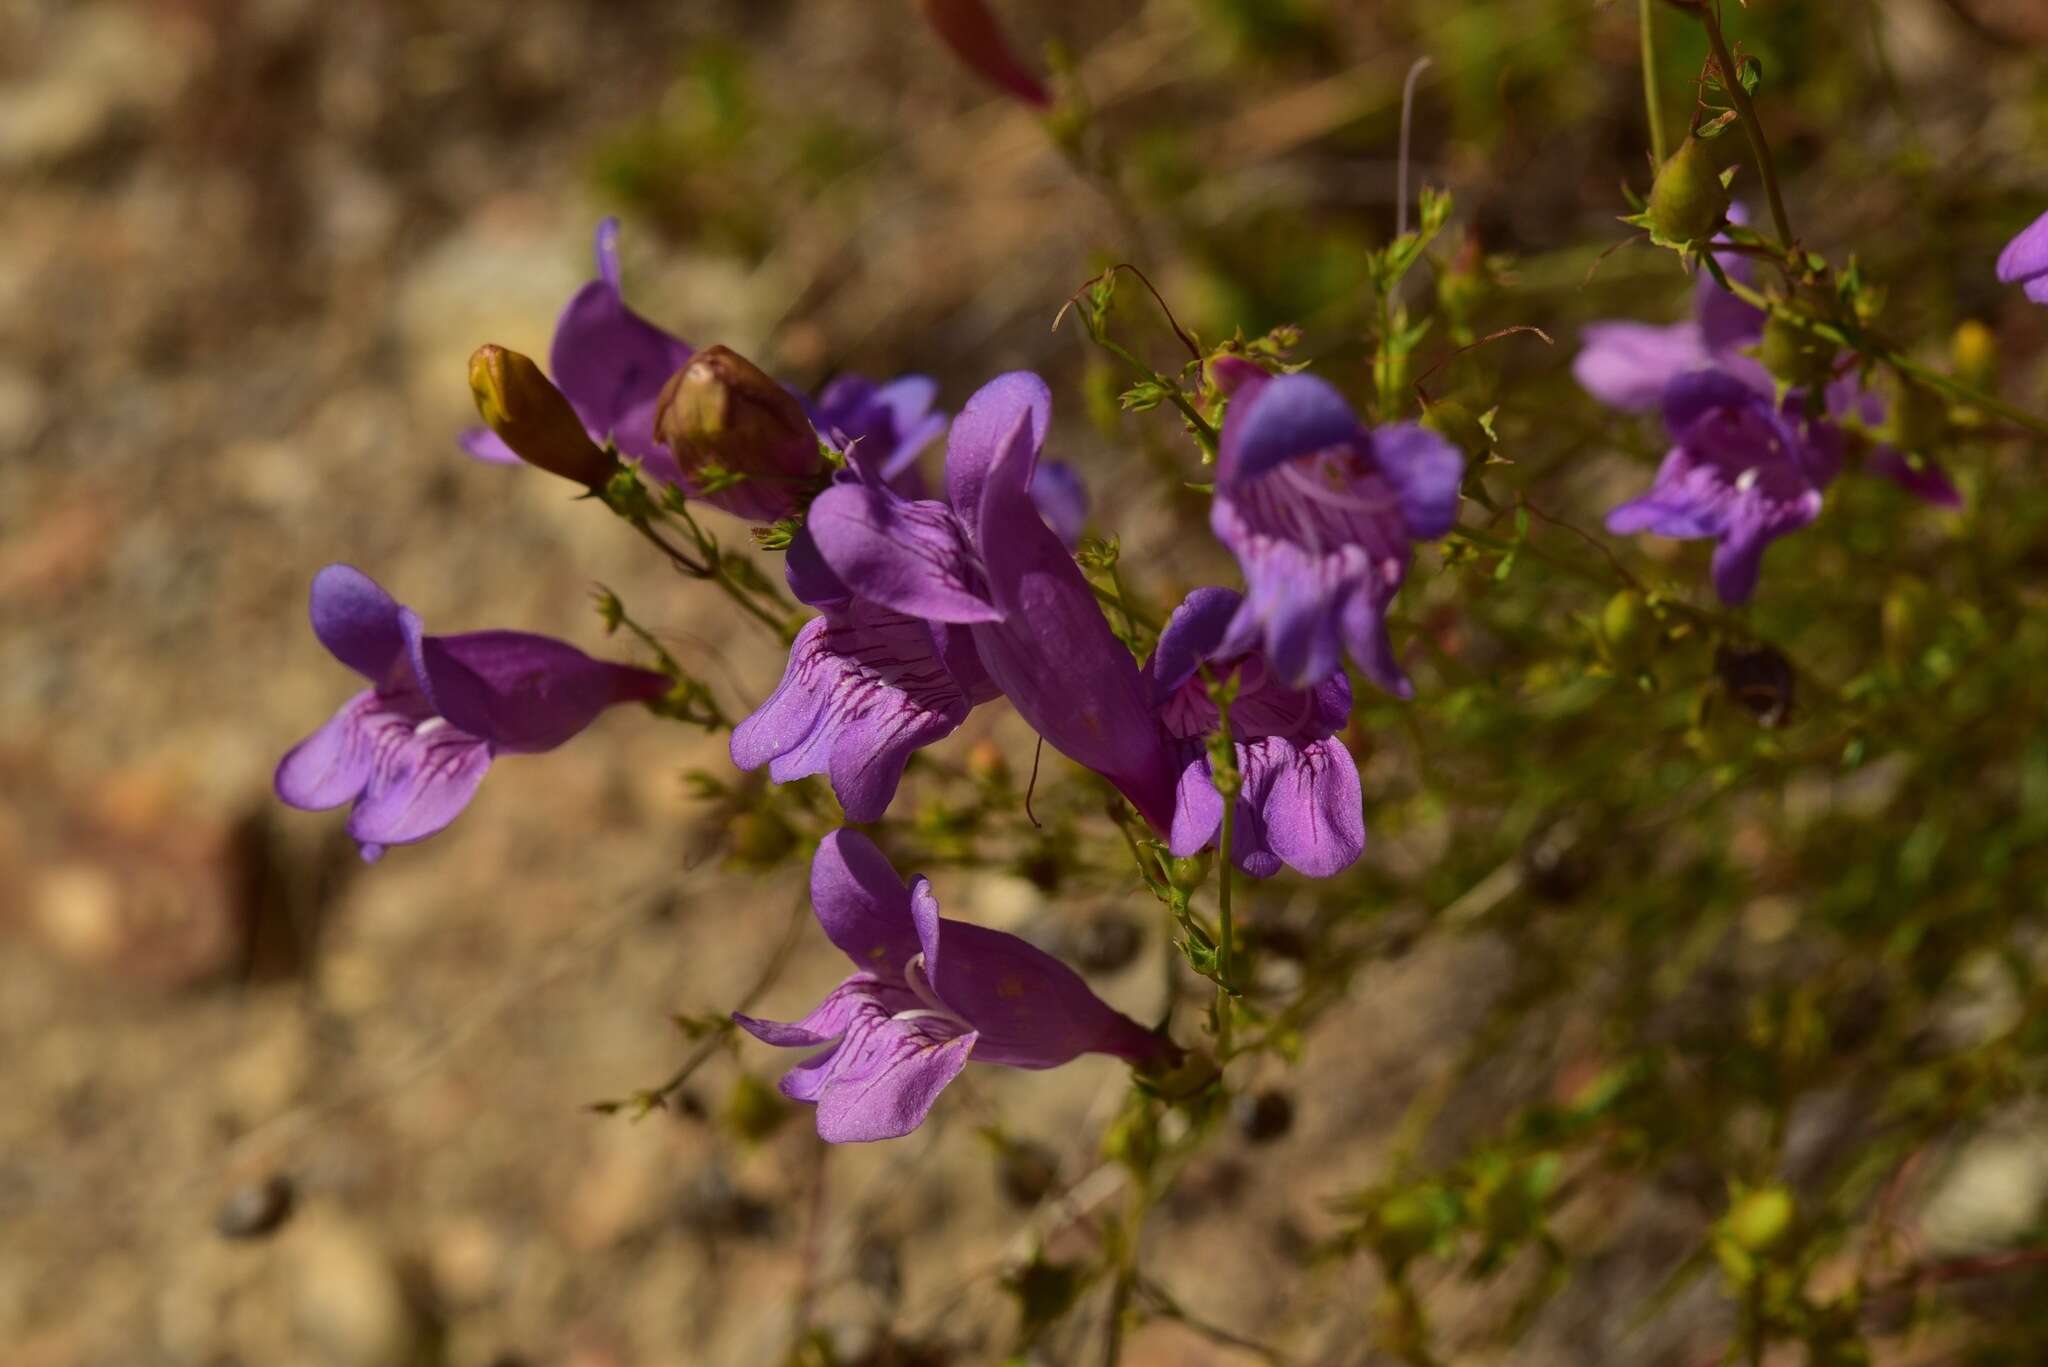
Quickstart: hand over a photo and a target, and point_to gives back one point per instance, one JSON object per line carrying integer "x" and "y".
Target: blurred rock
{"x": 255, "y": 1208}
{"x": 349, "y": 1306}
{"x": 102, "y": 66}
{"x": 1993, "y": 1193}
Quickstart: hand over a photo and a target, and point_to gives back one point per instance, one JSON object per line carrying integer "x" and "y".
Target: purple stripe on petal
{"x": 420, "y": 780}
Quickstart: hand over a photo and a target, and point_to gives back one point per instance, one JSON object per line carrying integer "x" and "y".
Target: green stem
{"x": 1204, "y": 432}
{"x": 1731, "y": 78}
{"x": 1886, "y": 355}
{"x": 1650, "y": 106}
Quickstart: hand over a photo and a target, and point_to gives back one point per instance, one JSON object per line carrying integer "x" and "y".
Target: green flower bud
{"x": 1189, "y": 871}
{"x": 529, "y": 414}
{"x": 741, "y": 439}
{"x": 1910, "y": 619}
{"x": 1454, "y": 422}
{"x": 1628, "y": 629}
{"x": 1759, "y": 1219}
{"x": 1794, "y": 355}
{"x": 1688, "y": 202}
{"x": 1973, "y": 351}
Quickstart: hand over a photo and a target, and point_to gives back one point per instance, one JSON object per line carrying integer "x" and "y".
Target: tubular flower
{"x": 927, "y": 996}
{"x": 1300, "y": 802}
{"x": 1323, "y": 515}
{"x": 1687, "y": 369}
{"x": 985, "y": 559}
{"x": 1745, "y": 470}
{"x": 410, "y": 750}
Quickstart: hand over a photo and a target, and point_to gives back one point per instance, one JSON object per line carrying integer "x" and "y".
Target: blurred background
{"x": 267, "y": 1106}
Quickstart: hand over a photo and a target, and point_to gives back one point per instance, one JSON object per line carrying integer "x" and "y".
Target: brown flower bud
{"x": 529, "y": 414}
{"x": 741, "y": 440}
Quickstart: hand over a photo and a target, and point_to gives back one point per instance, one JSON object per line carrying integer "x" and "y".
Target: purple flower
{"x": 1300, "y": 803}
{"x": 2025, "y": 261}
{"x": 927, "y": 995}
{"x": 1322, "y": 515}
{"x": 1745, "y": 471}
{"x": 891, "y": 423}
{"x": 1746, "y": 468}
{"x": 410, "y": 750}
{"x": 864, "y": 688}
{"x": 611, "y": 364}
{"x": 985, "y": 559}
{"x": 1062, "y": 500}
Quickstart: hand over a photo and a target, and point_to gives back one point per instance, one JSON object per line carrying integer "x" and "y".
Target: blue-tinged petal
{"x": 1193, "y": 635}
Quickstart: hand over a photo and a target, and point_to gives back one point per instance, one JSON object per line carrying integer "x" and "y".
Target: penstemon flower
{"x": 1300, "y": 803}
{"x": 410, "y": 750}
{"x": 985, "y": 559}
{"x": 1323, "y": 515}
{"x": 1747, "y": 466}
{"x": 928, "y": 995}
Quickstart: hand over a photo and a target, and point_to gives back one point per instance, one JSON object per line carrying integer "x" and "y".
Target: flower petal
{"x": 862, "y": 905}
{"x": 357, "y": 621}
{"x": 522, "y": 692}
{"x": 980, "y": 433}
{"x": 333, "y": 765}
{"x": 1628, "y": 365}
{"x": 864, "y": 688}
{"x": 1052, "y": 652}
{"x": 1310, "y": 802}
{"x": 1029, "y": 1009}
{"x": 481, "y": 443}
{"x": 1062, "y": 500}
{"x": 1425, "y": 471}
{"x": 1197, "y": 806}
{"x": 608, "y": 360}
{"x": 421, "y": 779}
{"x": 2025, "y": 260}
{"x": 830, "y": 1018}
{"x": 910, "y": 556}
{"x": 884, "y": 1077}
{"x": 1193, "y": 635}
{"x": 1920, "y": 476}
{"x": 1288, "y": 417}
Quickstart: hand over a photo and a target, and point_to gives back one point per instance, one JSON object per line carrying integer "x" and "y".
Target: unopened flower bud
{"x": 1794, "y": 355}
{"x": 529, "y": 414}
{"x": 1910, "y": 617}
{"x": 1628, "y": 629}
{"x": 1973, "y": 351}
{"x": 1189, "y": 871}
{"x": 1760, "y": 1218}
{"x": 971, "y": 31}
{"x": 1688, "y": 202}
{"x": 741, "y": 440}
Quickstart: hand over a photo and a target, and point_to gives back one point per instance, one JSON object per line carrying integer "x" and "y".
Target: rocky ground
{"x": 268, "y": 1107}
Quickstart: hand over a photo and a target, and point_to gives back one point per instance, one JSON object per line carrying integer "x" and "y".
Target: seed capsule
{"x": 1688, "y": 202}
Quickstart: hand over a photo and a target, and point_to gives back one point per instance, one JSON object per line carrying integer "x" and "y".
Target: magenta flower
{"x": 1745, "y": 471}
{"x": 1300, "y": 802}
{"x": 2024, "y": 261}
{"x": 985, "y": 559}
{"x": 410, "y": 750}
{"x": 611, "y": 365}
{"x": 1322, "y": 515}
{"x": 928, "y": 995}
